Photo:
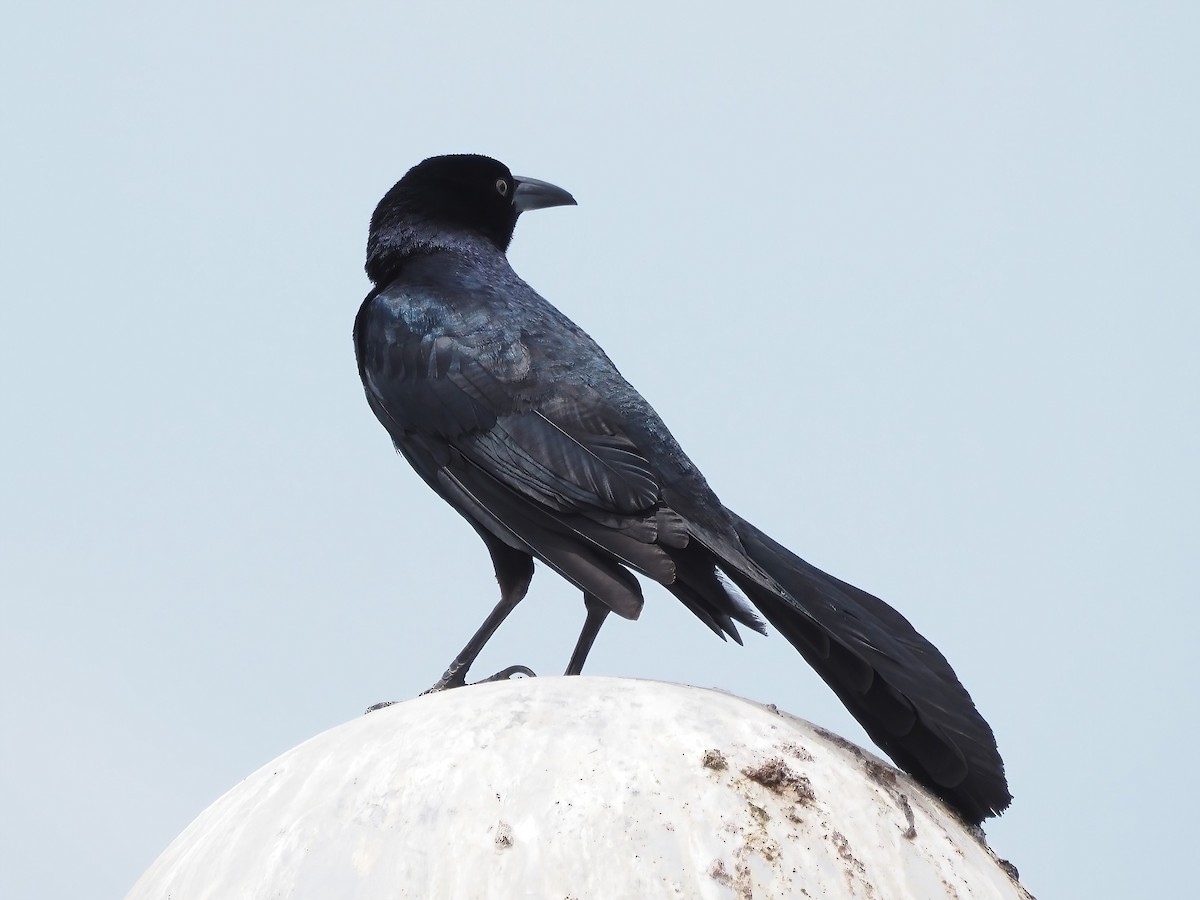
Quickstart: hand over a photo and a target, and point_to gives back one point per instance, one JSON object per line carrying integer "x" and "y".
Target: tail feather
{"x": 893, "y": 681}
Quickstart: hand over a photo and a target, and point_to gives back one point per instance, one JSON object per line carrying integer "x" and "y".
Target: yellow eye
{"x": 502, "y": 187}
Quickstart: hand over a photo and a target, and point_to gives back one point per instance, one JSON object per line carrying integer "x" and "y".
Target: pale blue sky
{"x": 958, "y": 245}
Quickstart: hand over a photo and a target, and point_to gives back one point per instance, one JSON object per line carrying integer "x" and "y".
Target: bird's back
{"x": 453, "y": 310}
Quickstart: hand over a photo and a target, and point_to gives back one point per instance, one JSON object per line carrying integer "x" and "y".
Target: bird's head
{"x": 460, "y": 194}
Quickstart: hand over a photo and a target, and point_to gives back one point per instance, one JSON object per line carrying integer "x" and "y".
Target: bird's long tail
{"x": 893, "y": 681}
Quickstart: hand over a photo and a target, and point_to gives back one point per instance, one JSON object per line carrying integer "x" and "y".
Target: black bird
{"x": 518, "y": 419}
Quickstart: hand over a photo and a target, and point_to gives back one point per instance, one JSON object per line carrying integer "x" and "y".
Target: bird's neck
{"x": 390, "y": 250}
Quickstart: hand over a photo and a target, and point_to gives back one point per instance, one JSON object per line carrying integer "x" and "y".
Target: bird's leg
{"x": 597, "y": 610}
{"x": 456, "y": 674}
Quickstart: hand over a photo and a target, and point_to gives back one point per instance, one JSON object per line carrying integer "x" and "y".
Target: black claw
{"x": 505, "y": 674}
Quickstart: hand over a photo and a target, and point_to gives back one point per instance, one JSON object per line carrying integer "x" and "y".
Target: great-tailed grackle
{"x": 518, "y": 420}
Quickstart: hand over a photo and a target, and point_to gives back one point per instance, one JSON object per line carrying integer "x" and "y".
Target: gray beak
{"x": 534, "y": 194}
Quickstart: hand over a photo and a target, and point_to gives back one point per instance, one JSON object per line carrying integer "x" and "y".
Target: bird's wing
{"x": 569, "y": 455}
{"x": 560, "y": 444}
{"x": 541, "y": 463}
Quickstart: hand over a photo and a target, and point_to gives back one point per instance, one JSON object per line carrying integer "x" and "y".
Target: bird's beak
{"x": 534, "y": 194}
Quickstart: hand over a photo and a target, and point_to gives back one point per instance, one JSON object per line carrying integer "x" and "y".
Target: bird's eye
{"x": 502, "y": 187}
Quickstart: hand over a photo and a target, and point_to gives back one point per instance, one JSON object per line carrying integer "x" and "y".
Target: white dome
{"x": 576, "y": 788}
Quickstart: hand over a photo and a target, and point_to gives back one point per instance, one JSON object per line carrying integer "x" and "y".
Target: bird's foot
{"x": 458, "y": 678}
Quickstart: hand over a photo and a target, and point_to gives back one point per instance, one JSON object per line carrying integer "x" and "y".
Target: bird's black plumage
{"x": 518, "y": 419}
